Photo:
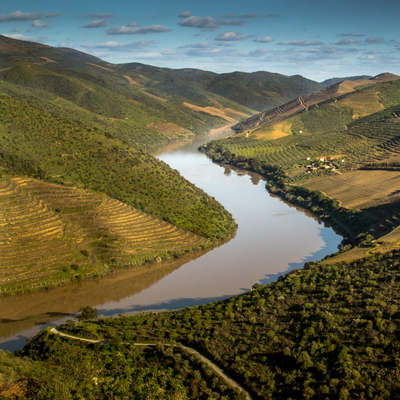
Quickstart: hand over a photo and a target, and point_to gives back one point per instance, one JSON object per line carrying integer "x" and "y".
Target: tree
{"x": 86, "y": 313}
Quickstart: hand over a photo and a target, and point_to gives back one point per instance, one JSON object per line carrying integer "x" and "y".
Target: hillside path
{"x": 188, "y": 349}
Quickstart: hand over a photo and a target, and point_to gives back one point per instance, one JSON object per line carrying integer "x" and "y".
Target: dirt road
{"x": 221, "y": 373}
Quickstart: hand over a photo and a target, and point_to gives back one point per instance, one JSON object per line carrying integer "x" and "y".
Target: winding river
{"x": 272, "y": 238}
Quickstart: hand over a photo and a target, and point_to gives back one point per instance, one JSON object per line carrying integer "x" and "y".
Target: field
{"x": 52, "y": 234}
{"x": 360, "y": 189}
{"x": 274, "y": 131}
{"x": 363, "y": 102}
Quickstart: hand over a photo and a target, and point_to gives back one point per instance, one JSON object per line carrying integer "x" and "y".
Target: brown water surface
{"x": 272, "y": 238}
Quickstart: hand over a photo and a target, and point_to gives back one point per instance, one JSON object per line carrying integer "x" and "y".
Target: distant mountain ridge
{"x": 256, "y": 90}
{"x": 332, "y": 81}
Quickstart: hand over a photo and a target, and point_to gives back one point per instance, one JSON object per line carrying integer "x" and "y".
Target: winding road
{"x": 221, "y": 373}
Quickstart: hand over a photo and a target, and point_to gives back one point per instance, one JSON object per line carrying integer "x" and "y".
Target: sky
{"x": 318, "y": 39}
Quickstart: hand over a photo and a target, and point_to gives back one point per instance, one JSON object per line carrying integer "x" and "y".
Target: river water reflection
{"x": 272, "y": 238}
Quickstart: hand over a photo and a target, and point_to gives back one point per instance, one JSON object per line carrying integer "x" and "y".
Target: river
{"x": 272, "y": 239}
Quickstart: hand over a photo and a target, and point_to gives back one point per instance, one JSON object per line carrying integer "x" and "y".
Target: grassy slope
{"x": 91, "y": 233}
{"x": 44, "y": 145}
{"x": 325, "y": 130}
{"x": 323, "y": 332}
{"x": 98, "y": 102}
{"x": 366, "y": 142}
{"x": 354, "y": 94}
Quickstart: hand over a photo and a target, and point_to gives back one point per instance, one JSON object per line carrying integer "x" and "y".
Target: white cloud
{"x": 232, "y": 15}
{"x": 206, "y": 23}
{"x": 117, "y": 46}
{"x": 135, "y": 30}
{"x": 368, "y": 57}
{"x": 300, "y": 43}
{"x": 96, "y": 24}
{"x": 64, "y": 44}
{"x": 373, "y": 52}
{"x": 17, "y": 29}
{"x": 20, "y": 16}
{"x": 40, "y": 24}
{"x": 350, "y": 34}
{"x": 258, "y": 53}
{"x": 265, "y": 39}
{"x": 224, "y": 44}
{"x": 53, "y": 15}
{"x": 231, "y": 36}
{"x": 198, "y": 45}
{"x": 347, "y": 42}
{"x": 372, "y": 40}
{"x": 250, "y": 15}
{"x": 19, "y": 36}
{"x": 185, "y": 14}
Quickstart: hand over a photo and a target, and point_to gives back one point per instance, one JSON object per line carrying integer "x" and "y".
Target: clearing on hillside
{"x": 273, "y": 131}
{"x": 222, "y": 113}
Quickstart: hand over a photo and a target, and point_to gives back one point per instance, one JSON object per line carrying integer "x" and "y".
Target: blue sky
{"x": 318, "y": 39}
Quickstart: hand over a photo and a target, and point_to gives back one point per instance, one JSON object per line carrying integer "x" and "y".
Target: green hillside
{"x": 327, "y": 128}
{"x": 365, "y": 96}
{"x": 321, "y": 332}
{"x": 43, "y": 145}
{"x": 99, "y": 103}
{"x": 258, "y": 91}
{"x": 91, "y": 232}
{"x": 130, "y": 99}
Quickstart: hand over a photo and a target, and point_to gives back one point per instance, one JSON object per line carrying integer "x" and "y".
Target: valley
{"x": 272, "y": 303}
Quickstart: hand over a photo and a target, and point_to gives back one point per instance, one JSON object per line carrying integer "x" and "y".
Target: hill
{"x": 324, "y": 331}
{"x": 332, "y": 81}
{"x": 258, "y": 90}
{"x": 130, "y": 98}
{"x": 332, "y": 93}
{"x": 94, "y": 231}
{"x": 92, "y": 234}
{"x": 342, "y": 166}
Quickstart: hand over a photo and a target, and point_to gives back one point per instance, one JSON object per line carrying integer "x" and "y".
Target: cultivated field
{"x": 360, "y": 189}
{"x": 273, "y": 131}
{"x": 294, "y": 149}
{"x": 51, "y": 234}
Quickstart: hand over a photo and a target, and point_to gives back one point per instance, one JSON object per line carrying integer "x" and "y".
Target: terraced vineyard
{"x": 369, "y": 138}
{"x": 360, "y": 189}
{"x": 291, "y": 150}
{"x": 52, "y": 234}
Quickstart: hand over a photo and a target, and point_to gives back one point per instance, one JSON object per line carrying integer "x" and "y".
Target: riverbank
{"x": 352, "y": 224}
{"x": 266, "y": 226}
